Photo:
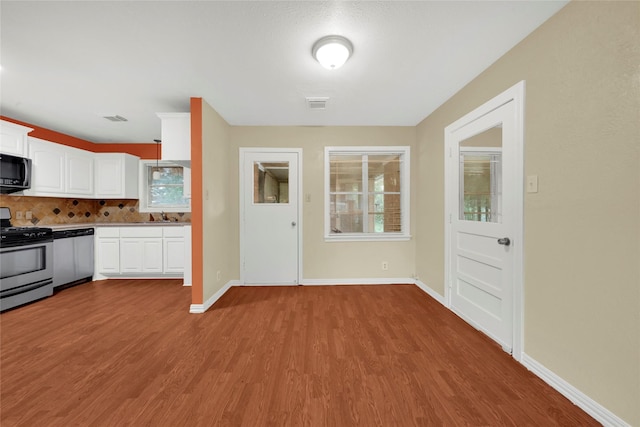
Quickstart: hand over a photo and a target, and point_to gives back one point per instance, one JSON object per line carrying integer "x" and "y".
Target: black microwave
{"x": 15, "y": 173}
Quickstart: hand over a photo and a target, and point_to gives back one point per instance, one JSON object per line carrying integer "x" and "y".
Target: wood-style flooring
{"x": 128, "y": 353}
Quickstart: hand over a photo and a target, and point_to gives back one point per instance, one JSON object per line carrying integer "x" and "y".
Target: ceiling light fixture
{"x": 332, "y": 51}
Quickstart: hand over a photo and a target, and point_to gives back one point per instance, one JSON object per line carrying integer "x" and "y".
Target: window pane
{"x": 480, "y": 187}
{"x": 384, "y": 173}
{"x": 271, "y": 182}
{"x": 385, "y": 213}
{"x": 346, "y": 173}
{"x": 165, "y": 187}
{"x": 363, "y": 187}
{"x": 345, "y": 213}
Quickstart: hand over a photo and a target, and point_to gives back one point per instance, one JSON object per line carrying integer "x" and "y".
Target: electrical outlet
{"x": 29, "y": 215}
{"x": 19, "y": 215}
{"x": 385, "y": 265}
{"x": 218, "y": 275}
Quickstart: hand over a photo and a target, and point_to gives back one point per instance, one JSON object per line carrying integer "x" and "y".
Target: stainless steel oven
{"x": 26, "y": 265}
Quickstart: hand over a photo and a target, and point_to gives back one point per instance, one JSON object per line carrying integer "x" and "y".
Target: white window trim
{"x": 143, "y": 190}
{"x": 405, "y": 194}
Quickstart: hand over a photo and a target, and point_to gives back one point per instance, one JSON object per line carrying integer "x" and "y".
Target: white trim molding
{"x": 587, "y": 404}
{"x": 376, "y": 281}
{"x": 201, "y": 308}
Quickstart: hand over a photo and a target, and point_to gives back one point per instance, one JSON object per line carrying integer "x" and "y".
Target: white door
{"x": 270, "y": 220}
{"x": 485, "y": 218}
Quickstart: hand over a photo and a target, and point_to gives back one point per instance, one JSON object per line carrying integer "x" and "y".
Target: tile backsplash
{"x": 55, "y": 211}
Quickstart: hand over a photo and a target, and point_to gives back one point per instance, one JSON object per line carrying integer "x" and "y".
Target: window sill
{"x": 367, "y": 238}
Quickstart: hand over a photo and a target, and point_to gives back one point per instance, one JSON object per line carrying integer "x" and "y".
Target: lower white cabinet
{"x": 107, "y": 255}
{"x": 141, "y": 255}
{"x": 145, "y": 251}
{"x": 173, "y": 254}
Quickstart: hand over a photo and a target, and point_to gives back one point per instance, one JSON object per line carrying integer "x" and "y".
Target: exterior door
{"x": 270, "y": 220}
{"x": 484, "y": 230}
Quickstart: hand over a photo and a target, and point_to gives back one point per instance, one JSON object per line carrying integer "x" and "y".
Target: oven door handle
{"x": 25, "y": 288}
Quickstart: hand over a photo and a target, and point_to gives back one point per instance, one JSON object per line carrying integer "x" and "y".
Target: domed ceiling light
{"x": 332, "y": 51}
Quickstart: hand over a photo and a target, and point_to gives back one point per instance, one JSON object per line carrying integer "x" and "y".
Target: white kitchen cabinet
{"x": 13, "y": 138}
{"x": 79, "y": 172}
{"x": 140, "y": 251}
{"x": 176, "y": 137}
{"x": 48, "y": 168}
{"x": 188, "y": 276}
{"x": 140, "y": 255}
{"x": 173, "y": 249}
{"x": 59, "y": 170}
{"x": 116, "y": 176}
{"x": 107, "y": 250}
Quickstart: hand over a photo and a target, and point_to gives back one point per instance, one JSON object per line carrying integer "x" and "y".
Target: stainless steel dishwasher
{"x": 72, "y": 257}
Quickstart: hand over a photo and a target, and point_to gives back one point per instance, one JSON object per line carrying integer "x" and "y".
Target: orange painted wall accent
{"x": 144, "y": 151}
{"x": 197, "y": 289}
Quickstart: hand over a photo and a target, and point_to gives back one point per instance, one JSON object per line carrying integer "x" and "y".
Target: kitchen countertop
{"x": 117, "y": 224}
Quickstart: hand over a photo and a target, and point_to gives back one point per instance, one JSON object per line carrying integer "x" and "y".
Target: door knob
{"x": 293, "y": 223}
{"x": 504, "y": 241}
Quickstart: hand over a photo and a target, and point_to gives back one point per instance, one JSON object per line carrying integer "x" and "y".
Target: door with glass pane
{"x": 270, "y": 238}
{"x": 481, "y": 259}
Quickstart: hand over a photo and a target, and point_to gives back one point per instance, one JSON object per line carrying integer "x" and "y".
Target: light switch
{"x": 307, "y": 197}
{"x": 532, "y": 184}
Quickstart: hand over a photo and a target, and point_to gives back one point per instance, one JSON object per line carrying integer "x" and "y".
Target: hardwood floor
{"x": 125, "y": 352}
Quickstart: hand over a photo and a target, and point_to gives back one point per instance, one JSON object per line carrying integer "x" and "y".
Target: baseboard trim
{"x": 377, "y": 281}
{"x": 587, "y": 404}
{"x": 201, "y": 308}
{"x": 433, "y": 294}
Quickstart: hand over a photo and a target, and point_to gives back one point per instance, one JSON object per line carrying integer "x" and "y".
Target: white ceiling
{"x": 67, "y": 64}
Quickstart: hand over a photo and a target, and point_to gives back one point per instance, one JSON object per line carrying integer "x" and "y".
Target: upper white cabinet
{"x": 116, "y": 176}
{"x": 176, "y": 137}
{"x": 13, "y": 138}
{"x": 59, "y": 170}
{"x": 48, "y": 173}
{"x": 79, "y": 172}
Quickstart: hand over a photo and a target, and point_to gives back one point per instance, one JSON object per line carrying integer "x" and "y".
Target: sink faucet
{"x": 164, "y": 216}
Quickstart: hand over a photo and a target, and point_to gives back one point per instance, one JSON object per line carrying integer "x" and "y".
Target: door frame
{"x": 516, "y": 95}
{"x": 267, "y": 150}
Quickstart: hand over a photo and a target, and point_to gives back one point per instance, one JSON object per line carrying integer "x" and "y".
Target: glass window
{"x": 367, "y": 193}
{"x": 162, "y": 188}
{"x": 271, "y": 182}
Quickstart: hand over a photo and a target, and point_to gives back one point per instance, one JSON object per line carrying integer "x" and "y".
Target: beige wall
{"x": 220, "y": 244}
{"x": 335, "y": 260}
{"x": 582, "y": 230}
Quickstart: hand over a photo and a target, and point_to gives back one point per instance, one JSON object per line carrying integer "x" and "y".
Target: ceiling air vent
{"x": 115, "y": 118}
{"x": 317, "y": 103}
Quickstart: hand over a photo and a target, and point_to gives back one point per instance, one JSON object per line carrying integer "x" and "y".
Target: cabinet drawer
{"x": 174, "y": 231}
{"x": 107, "y": 232}
{"x": 140, "y": 231}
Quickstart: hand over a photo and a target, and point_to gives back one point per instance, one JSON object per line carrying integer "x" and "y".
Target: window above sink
{"x": 166, "y": 190}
